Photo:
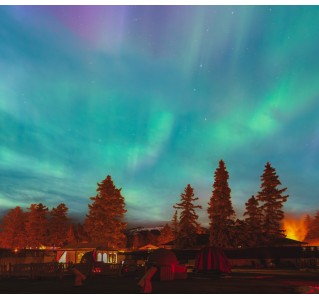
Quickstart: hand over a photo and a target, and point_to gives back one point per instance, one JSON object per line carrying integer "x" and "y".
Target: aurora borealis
{"x": 155, "y": 96}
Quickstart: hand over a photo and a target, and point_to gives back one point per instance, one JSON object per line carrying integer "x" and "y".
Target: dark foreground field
{"x": 239, "y": 282}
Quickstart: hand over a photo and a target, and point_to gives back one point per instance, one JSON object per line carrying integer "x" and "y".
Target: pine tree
{"x": 220, "y": 210}
{"x": 13, "y": 233}
{"x": 166, "y": 235}
{"x": 37, "y": 225}
{"x": 271, "y": 199}
{"x": 136, "y": 241}
{"x": 313, "y": 232}
{"x": 188, "y": 218}
{"x": 240, "y": 234}
{"x": 72, "y": 236}
{"x": 307, "y": 220}
{"x": 175, "y": 225}
{"x": 253, "y": 222}
{"x": 59, "y": 224}
{"x": 82, "y": 233}
{"x": 104, "y": 223}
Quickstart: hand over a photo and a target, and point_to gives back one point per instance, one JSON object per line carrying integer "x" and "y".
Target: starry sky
{"x": 155, "y": 96}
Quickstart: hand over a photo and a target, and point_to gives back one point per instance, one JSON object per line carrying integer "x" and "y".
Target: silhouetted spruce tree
{"x": 220, "y": 210}
{"x": 13, "y": 233}
{"x": 72, "y": 236}
{"x": 58, "y": 224}
{"x": 82, "y": 233}
{"x": 240, "y": 236}
{"x": 313, "y": 227}
{"x": 253, "y": 222}
{"x": 308, "y": 221}
{"x": 175, "y": 225}
{"x": 136, "y": 241}
{"x": 37, "y": 225}
{"x": 166, "y": 235}
{"x": 271, "y": 199}
{"x": 188, "y": 224}
{"x": 104, "y": 223}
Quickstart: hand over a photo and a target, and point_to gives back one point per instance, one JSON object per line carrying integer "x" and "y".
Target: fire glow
{"x": 295, "y": 228}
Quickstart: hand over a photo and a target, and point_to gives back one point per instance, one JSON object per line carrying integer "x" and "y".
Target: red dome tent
{"x": 167, "y": 264}
{"x": 162, "y": 257}
{"x": 211, "y": 259}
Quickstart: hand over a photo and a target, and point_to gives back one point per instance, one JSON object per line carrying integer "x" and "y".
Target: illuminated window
{"x": 63, "y": 258}
{"x": 99, "y": 257}
{"x": 112, "y": 258}
{"x": 104, "y": 257}
{"x": 79, "y": 256}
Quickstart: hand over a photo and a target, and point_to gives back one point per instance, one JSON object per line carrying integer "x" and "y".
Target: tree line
{"x": 262, "y": 217}
{"x": 35, "y": 228}
{"x": 104, "y": 224}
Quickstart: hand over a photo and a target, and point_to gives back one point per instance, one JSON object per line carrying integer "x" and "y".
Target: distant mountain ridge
{"x": 144, "y": 228}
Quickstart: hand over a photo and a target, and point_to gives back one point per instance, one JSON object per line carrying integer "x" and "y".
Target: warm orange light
{"x": 313, "y": 242}
{"x": 295, "y": 228}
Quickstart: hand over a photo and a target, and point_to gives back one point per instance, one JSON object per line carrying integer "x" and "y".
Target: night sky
{"x": 155, "y": 96}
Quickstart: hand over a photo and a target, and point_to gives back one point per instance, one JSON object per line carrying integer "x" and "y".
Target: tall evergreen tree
{"x": 59, "y": 224}
{"x": 13, "y": 233}
{"x": 37, "y": 225}
{"x": 188, "y": 218}
{"x": 307, "y": 221}
{"x": 220, "y": 210}
{"x": 253, "y": 222}
{"x": 175, "y": 225}
{"x": 104, "y": 223}
{"x": 313, "y": 226}
{"x": 271, "y": 199}
{"x": 166, "y": 235}
{"x": 240, "y": 234}
{"x": 82, "y": 233}
{"x": 72, "y": 236}
{"x": 136, "y": 241}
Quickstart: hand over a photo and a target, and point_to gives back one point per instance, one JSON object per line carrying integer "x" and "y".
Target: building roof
{"x": 287, "y": 242}
{"x": 201, "y": 240}
{"x": 148, "y": 246}
{"x": 86, "y": 245}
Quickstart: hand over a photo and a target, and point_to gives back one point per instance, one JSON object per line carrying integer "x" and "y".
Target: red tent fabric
{"x": 162, "y": 257}
{"x": 212, "y": 259}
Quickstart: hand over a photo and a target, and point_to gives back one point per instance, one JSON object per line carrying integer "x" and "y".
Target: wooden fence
{"x": 56, "y": 270}
{"x": 107, "y": 269}
{"x": 34, "y": 270}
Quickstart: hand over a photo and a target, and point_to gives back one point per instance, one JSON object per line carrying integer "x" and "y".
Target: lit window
{"x": 99, "y": 257}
